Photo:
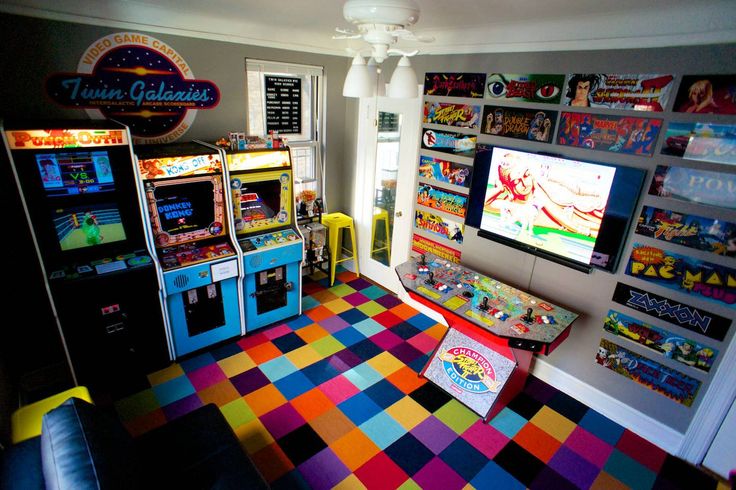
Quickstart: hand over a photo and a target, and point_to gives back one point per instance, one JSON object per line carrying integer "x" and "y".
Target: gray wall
{"x": 35, "y": 48}
{"x": 590, "y": 295}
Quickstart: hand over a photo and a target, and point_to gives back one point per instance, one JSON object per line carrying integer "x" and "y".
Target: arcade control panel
{"x": 528, "y": 322}
{"x": 268, "y": 240}
{"x": 102, "y": 266}
{"x": 190, "y": 253}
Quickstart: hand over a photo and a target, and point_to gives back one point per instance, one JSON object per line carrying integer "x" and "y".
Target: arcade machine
{"x": 183, "y": 188}
{"x": 76, "y": 181}
{"x": 495, "y": 329}
{"x": 263, "y": 202}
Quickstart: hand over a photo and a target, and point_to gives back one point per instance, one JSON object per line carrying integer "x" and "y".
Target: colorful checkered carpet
{"x": 333, "y": 399}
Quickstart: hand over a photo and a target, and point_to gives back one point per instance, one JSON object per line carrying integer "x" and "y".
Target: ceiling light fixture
{"x": 380, "y": 23}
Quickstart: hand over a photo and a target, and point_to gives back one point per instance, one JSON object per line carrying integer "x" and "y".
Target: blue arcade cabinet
{"x": 184, "y": 189}
{"x": 262, "y": 187}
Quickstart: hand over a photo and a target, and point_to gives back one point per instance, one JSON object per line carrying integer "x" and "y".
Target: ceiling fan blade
{"x": 348, "y": 32}
{"x": 410, "y": 36}
{"x": 346, "y": 36}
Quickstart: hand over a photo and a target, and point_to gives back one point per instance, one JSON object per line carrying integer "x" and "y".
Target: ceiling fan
{"x": 380, "y": 23}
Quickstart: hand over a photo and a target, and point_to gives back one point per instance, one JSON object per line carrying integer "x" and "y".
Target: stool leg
{"x": 388, "y": 240}
{"x": 355, "y": 249}
{"x": 373, "y": 234}
{"x": 335, "y": 251}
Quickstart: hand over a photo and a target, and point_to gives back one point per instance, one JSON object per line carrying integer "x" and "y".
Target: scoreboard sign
{"x": 283, "y": 104}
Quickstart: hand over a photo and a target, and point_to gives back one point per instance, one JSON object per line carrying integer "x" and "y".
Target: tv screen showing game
{"x": 186, "y": 207}
{"x": 257, "y": 205}
{"x": 71, "y": 173}
{"x": 260, "y": 200}
{"x": 573, "y": 212}
{"x": 88, "y": 226}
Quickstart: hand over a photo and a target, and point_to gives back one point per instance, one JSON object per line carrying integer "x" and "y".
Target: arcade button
{"x": 106, "y": 260}
{"x": 140, "y": 260}
{"x": 83, "y": 269}
{"x": 467, "y": 294}
{"x": 57, "y": 274}
{"x": 124, "y": 256}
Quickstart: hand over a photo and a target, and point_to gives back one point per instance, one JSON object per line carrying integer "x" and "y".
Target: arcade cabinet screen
{"x": 187, "y": 207}
{"x": 70, "y": 173}
{"x": 87, "y": 226}
{"x": 259, "y": 200}
{"x": 573, "y": 211}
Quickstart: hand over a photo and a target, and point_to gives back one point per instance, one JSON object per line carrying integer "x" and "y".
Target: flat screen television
{"x": 71, "y": 173}
{"x": 573, "y": 212}
{"x": 87, "y": 226}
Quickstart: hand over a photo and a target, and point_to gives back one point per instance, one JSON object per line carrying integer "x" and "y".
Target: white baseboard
{"x": 650, "y": 429}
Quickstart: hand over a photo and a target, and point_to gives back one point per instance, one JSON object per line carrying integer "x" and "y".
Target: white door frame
{"x": 407, "y": 177}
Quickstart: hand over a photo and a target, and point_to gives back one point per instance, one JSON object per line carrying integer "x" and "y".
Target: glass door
{"x": 386, "y": 186}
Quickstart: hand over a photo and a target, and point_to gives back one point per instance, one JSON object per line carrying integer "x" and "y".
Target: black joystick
{"x": 467, "y": 294}
{"x": 528, "y": 318}
{"x": 431, "y": 277}
{"x": 484, "y": 305}
{"x": 423, "y": 260}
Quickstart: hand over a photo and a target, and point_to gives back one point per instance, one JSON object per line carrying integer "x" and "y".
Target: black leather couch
{"x": 83, "y": 447}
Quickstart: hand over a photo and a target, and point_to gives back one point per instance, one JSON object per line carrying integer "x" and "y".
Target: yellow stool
{"x": 336, "y": 223}
{"x": 380, "y": 214}
{"x": 26, "y": 421}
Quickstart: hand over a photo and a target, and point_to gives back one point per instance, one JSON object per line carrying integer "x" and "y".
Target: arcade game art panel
{"x": 262, "y": 188}
{"x": 76, "y": 180}
{"x": 184, "y": 188}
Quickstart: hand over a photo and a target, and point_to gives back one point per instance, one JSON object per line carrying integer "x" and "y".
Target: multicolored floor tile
{"x": 333, "y": 399}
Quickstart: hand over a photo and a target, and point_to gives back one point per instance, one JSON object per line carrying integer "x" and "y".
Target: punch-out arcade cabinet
{"x": 263, "y": 202}
{"x": 183, "y": 189}
{"x": 77, "y": 185}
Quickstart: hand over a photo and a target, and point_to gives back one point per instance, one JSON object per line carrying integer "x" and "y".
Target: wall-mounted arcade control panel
{"x": 528, "y": 322}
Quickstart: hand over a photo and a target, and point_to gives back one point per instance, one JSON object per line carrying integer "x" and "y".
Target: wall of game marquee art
{"x": 673, "y": 294}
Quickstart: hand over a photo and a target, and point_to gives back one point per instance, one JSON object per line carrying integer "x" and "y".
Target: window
{"x": 302, "y": 106}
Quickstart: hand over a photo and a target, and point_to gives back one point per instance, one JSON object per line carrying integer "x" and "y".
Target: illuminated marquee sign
{"x": 163, "y": 168}
{"x": 138, "y": 80}
{"x": 258, "y": 160}
{"x": 36, "y": 139}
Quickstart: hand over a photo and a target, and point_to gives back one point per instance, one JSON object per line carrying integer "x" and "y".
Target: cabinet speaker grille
{"x": 181, "y": 280}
